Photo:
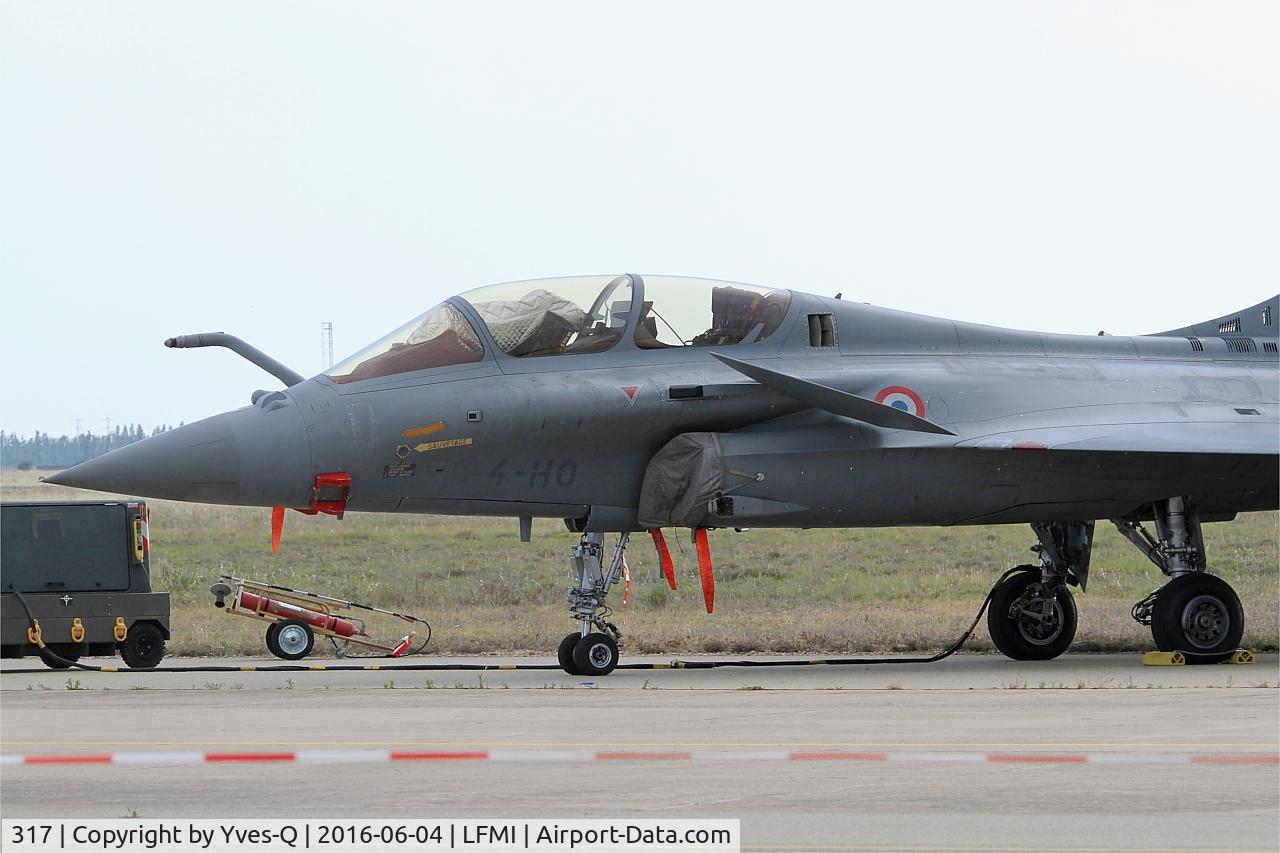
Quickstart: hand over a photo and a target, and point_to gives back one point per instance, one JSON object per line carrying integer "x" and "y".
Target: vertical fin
{"x": 277, "y": 526}
{"x": 705, "y": 569}
{"x": 664, "y": 556}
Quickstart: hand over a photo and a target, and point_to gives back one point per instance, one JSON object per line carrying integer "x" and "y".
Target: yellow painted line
{"x": 248, "y": 669}
{"x": 429, "y": 429}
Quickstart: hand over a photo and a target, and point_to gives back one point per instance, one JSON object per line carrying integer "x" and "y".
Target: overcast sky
{"x": 259, "y": 168}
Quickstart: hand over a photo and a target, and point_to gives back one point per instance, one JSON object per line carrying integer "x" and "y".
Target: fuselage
{"x": 1045, "y": 426}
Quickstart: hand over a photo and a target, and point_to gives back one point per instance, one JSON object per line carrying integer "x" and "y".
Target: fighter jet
{"x": 630, "y": 404}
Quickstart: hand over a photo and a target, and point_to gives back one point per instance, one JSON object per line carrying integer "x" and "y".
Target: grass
{"x": 783, "y": 591}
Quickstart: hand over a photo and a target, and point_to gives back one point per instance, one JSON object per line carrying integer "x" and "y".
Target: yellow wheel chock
{"x": 77, "y": 630}
{"x": 1163, "y": 659}
{"x": 1239, "y": 656}
{"x": 121, "y": 630}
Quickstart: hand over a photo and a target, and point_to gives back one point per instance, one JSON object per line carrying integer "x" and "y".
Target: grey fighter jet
{"x": 628, "y": 404}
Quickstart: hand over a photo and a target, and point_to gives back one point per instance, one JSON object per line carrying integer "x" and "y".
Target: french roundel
{"x": 902, "y": 398}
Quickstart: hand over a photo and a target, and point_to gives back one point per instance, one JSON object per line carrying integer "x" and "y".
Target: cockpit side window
{"x": 438, "y": 338}
{"x": 691, "y": 312}
{"x": 563, "y": 316}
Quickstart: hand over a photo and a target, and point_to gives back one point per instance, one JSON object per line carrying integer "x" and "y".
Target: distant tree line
{"x": 42, "y": 450}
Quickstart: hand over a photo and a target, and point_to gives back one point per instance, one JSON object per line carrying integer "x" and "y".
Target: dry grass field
{"x": 816, "y": 591}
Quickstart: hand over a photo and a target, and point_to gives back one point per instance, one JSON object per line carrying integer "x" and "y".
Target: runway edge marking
{"x": 500, "y": 756}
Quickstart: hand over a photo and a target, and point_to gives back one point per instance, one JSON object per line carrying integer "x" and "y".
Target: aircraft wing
{"x": 1260, "y": 435}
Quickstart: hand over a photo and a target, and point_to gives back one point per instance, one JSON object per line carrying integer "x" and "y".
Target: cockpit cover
{"x": 515, "y": 323}
{"x": 682, "y": 478}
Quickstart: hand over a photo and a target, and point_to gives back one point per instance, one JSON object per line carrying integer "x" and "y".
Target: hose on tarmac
{"x": 48, "y": 653}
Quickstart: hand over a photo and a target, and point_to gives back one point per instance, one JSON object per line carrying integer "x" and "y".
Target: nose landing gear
{"x": 588, "y": 652}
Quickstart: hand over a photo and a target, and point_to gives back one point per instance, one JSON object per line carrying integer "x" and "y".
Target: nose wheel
{"x": 594, "y": 655}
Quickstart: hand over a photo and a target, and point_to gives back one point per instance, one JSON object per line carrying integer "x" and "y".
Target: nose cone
{"x": 249, "y": 457}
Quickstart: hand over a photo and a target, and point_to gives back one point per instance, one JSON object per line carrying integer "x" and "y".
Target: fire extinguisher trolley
{"x": 297, "y": 616}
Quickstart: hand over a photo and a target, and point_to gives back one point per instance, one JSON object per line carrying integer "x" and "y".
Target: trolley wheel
{"x": 293, "y": 639}
{"x": 595, "y": 654}
{"x": 143, "y": 648}
{"x": 272, "y": 630}
{"x": 1200, "y": 614}
{"x": 1025, "y": 638}
{"x": 564, "y": 654}
{"x": 68, "y": 651}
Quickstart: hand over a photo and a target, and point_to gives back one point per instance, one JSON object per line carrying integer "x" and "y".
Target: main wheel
{"x": 564, "y": 654}
{"x": 293, "y": 640}
{"x": 595, "y": 654}
{"x": 1200, "y": 614}
{"x": 143, "y": 648}
{"x": 69, "y": 652}
{"x": 1024, "y": 637}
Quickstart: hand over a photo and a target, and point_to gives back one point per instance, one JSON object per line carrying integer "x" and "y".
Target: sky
{"x": 260, "y": 168}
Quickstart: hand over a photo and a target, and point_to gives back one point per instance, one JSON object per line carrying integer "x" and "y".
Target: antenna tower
{"x": 326, "y": 344}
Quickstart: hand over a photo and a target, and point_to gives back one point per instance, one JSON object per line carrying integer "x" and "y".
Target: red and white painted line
{"x": 380, "y": 756}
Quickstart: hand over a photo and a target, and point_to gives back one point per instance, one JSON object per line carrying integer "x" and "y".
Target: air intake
{"x": 822, "y": 330}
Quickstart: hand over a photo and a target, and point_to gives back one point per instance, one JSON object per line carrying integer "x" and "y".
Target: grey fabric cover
{"x": 681, "y": 479}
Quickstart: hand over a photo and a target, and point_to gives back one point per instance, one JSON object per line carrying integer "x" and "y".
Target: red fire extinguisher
{"x": 262, "y": 604}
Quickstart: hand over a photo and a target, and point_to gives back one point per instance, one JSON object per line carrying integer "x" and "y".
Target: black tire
{"x": 67, "y": 651}
{"x": 564, "y": 654}
{"x": 272, "y": 630}
{"x": 1200, "y": 615}
{"x": 143, "y": 648}
{"x": 293, "y": 639}
{"x": 595, "y": 655}
{"x": 1023, "y": 639}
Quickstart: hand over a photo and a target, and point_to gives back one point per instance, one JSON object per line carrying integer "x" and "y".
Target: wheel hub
{"x": 600, "y": 655}
{"x": 1205, "y": 621}
{"x": 1039, "y": 618}
{"x": 292, "y": 639}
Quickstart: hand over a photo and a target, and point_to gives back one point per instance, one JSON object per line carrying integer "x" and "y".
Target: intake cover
{"x": 681, "y": 479}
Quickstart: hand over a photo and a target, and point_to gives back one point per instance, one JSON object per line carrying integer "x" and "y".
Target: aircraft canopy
{"x": 575, "y": 315}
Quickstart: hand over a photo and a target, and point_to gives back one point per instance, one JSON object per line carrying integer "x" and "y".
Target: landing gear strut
{"x": 1032, "y": 614}
{"x": 592, "y": 652}
{"x": 1195, "y": 612}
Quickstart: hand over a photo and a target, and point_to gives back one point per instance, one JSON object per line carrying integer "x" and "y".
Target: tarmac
{"x": 1084, "y": 753}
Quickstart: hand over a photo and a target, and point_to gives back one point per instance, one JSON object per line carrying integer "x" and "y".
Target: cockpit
{"x": 570, "y": 316}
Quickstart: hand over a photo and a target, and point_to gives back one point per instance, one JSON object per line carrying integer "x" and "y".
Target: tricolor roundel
{"x": 902, "y": 398}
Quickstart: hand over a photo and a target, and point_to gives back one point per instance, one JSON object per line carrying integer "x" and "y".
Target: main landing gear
{"x": 1032, "y": 615}
{"x": 1196, "y": 613}
{"x": 587, "y": 651}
